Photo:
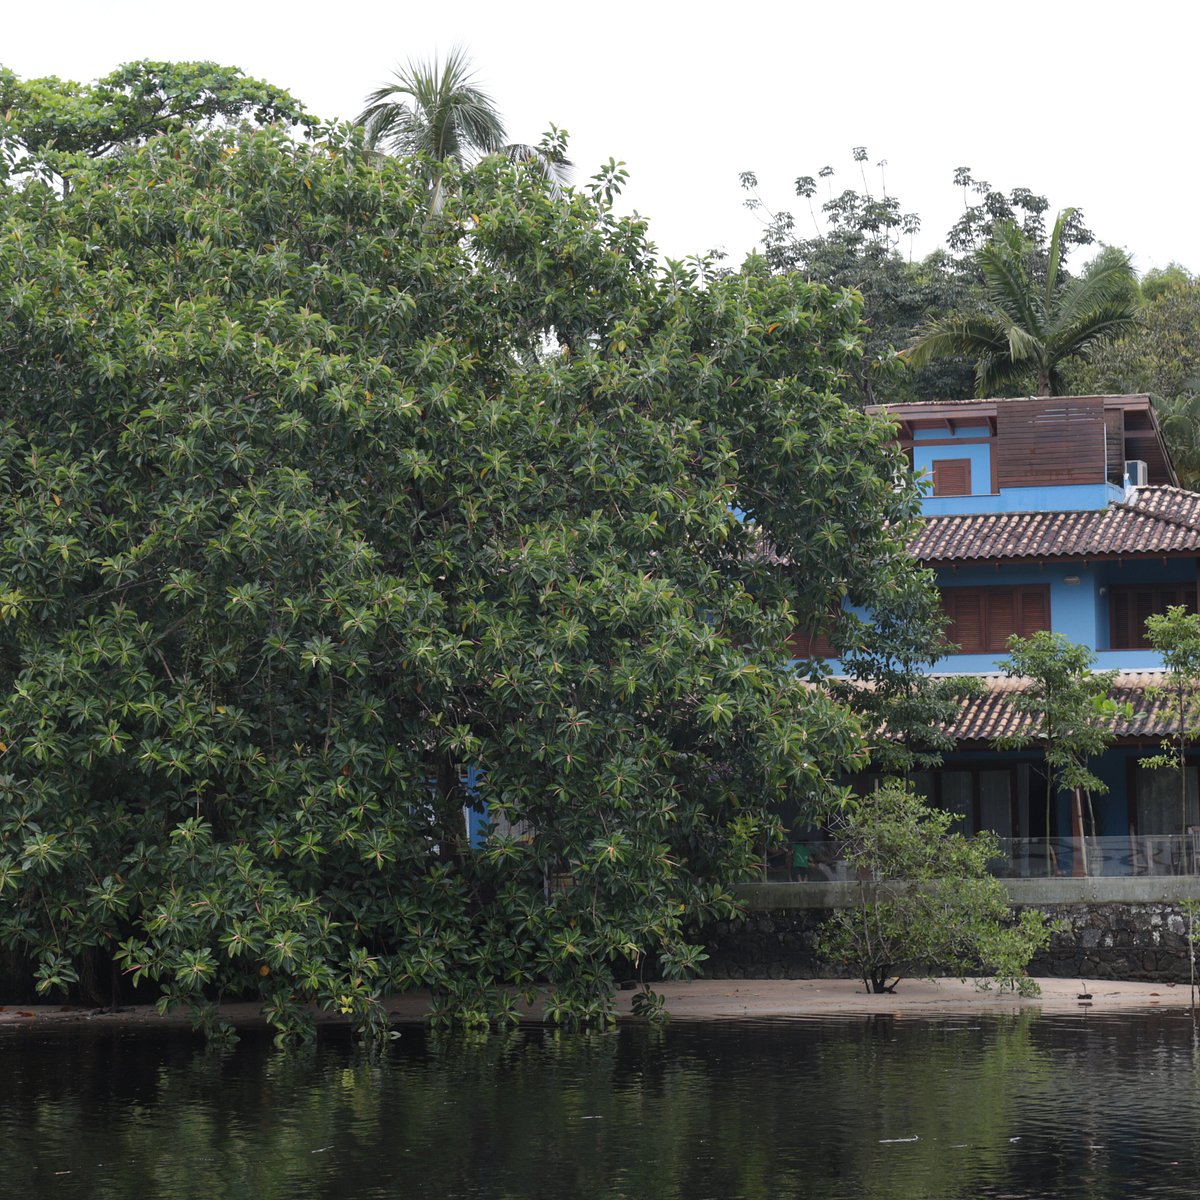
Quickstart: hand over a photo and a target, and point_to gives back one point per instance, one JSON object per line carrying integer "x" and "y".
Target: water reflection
{"x": 881, "y": 1107}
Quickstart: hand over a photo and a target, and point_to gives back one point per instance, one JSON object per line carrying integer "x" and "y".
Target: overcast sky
{"x": 1091, "y": 104}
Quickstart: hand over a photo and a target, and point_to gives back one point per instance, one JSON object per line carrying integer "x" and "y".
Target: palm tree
{"x": 438, "y": 110}
{"x": 1030, "y": 326}
{"x": 1180, "y": 420}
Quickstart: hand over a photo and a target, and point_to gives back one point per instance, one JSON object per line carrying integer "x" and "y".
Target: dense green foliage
{"x": 1032, "y": 320}
{"x": 1159, "y": 356}
{"x": 1069, "y": 716}
{"x": 313, "y": 500}
{"x": 885, "y": 676}
{"x": 1175, "y": 634}
{"x": 926, "y": 901}
{"x": 858, "y": 242}
{"x": 43, "y": 122}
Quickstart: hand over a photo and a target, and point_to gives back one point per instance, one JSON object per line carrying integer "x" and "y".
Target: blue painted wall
{"x": 1076, "y": 497}
{"x": 1073, "y": 609}
{"x": 980, "y": 455}
{"x": 1079, "y": 610}
{"x": 964, "y": 431}
{"x": 477, "y": 819}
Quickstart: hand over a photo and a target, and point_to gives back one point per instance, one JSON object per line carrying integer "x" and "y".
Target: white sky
{"x": 1091, "y": 104}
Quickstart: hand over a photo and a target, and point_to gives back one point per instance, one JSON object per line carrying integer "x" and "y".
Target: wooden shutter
{"x": 1033, "y": 610}
{"x": 1129, "y": 606}
{"x": 983, "y": 619}
{"x": 1060, "y": 440}
{"x": 952, "y": 477}
{"x": 804, "y": 643}
{"x": 1002, "y": 617}
{"x": 1122, "y": 635}
{"x": 1143, "y": 608}
{"x": 964, "y": 607}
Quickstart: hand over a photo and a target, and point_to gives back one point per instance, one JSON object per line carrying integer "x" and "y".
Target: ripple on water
{"x": 1016, "y": 1107}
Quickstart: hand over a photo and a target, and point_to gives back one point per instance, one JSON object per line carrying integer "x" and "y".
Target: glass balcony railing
{"x": 1019, "y": 858}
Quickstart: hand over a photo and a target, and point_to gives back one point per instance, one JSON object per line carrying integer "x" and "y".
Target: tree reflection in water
{"x": 882, "y": 1107}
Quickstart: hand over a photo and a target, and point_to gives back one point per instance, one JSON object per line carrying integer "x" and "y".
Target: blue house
{"x": 1059, "y": 513}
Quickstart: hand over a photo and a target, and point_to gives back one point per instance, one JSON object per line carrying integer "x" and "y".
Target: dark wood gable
{"x": 1051, "y": 441}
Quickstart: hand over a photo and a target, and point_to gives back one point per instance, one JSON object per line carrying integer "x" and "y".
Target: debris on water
{"x": 1016, "y": 1139}
{"x": 894, "y": 1141}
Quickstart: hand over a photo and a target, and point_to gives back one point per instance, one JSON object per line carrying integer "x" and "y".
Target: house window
{"x": 983, "y": 619}
{"x": 1158, "y": 805}
{"x": 804, "y": 643}
{"x": 952, "y": 477}
{"x": 981, "y": 797}
{"x": 1128, "y": 608}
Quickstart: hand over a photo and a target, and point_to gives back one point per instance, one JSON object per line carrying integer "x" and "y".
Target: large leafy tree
{"x": 856, "y": 242}
{"x": 45, "y": 123}
{"x": 1031, "y": 321}
{"x": 312, "y": 501}
{"x": 1161, "y": 356}
{"x": 863, "y": 239}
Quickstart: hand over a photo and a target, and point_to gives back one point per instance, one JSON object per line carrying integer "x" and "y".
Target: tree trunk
{"x": 879, "y": 976}
{"x": 452, "y": 824}
{"x": 1078, "y": 834}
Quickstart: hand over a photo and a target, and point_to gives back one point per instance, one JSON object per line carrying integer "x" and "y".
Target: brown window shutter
{"x": 964, "y": 607}
{"x": 952, "y": 477}
{"x": 1120, "y": 632}
{"x": 983, "y": 619}
{"x": 1143, "y": 607}
{"x": 806, "y": 644}
{"x": 1129, "y": 606}
{"x": 1002, "y": 617}
{"x": 1034, "y": 605}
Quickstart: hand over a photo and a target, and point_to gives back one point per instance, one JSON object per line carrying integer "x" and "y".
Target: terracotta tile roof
{"x": 990, "y": 715}
{"x": 1115, "y": 399}
{"x": 1154, "y": 520}
{"x": 1170, "y": 503}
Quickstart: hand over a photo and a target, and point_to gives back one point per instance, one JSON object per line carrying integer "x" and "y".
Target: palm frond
{"x": 1092, "y": 326}
{"x": 1025, "y": 347}
{"x": 1008, "y": 284}
{"x": 434, "y": 108}
{"x": 1110, "y": 288}
{"x": 998, "y": 375}
{"x": 965, "y": 334}
{"x": 1055, "y": 255}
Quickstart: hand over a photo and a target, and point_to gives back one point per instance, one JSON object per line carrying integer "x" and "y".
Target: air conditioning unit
{"x": 1136, "y": 474}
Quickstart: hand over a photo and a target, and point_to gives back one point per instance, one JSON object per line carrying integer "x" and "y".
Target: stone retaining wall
{"x": 1117, "y": 941}
{"x": 1144, "y": 941}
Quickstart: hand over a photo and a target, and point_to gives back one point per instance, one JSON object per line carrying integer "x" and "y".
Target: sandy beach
{"x": 720, "y": 999}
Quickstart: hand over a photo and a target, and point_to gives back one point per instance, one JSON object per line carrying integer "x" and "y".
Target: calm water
{"x": 1085, "y": 1106}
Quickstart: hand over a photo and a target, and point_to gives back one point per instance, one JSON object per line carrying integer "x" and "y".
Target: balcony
{"x": 1133, "y": 856}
